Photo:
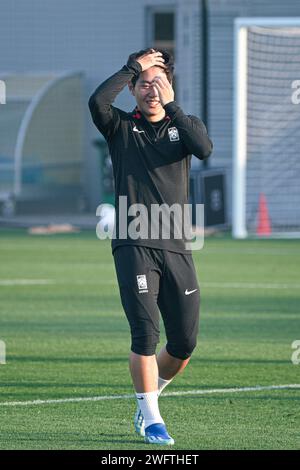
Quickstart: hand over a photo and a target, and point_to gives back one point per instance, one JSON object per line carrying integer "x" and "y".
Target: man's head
{"x": 141, "y": 86}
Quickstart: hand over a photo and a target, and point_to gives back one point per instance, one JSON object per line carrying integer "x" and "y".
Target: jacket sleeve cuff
{"x": 171, "y": 108}
{"x": 134, "y": 66}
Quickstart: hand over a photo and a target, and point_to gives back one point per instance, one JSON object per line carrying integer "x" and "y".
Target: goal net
{"x": 266, "y": 169}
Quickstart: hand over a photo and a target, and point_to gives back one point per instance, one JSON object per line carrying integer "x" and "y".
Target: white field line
{"x": 221, "y": 285}
{"x": 25, "y": 282}
{"x": 249, "y": 285}
{"x": 257, "y": 388}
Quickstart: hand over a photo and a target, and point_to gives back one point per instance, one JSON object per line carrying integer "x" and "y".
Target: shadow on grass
{"x": 52, "y": 438}
{"x": 240, "y": 361}
{"x": 63, "y": 359}
{"x": 60, "y": 385}
{"x": 124, "y": 359}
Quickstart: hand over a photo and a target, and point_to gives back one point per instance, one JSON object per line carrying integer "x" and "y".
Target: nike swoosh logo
{"x": 136, "y": 130}
{"x": 188, "y": 292}
{"x": 140, "y": 398}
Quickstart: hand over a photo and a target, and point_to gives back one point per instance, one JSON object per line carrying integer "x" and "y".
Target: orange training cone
{"x": 263, "y": 224}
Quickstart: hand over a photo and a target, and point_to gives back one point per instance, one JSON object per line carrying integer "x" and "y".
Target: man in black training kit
{"x": 151, "y": 150}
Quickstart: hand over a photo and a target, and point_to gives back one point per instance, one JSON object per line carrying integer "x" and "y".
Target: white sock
{"x": 148, "y": 403}
{"x": 162, "y": 383}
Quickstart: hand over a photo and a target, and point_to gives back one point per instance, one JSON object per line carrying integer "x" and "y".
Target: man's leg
{"x": 150, "y": 375}
{"x": 180, "y": 312}
{"x": 144, "y": 372}
{"x": 139, "y": 279}
{"x": 148, "y": 421}
{"x": 169, "y": 366}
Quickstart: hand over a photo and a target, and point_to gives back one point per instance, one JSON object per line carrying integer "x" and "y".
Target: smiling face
{"x": 146, "y": 95}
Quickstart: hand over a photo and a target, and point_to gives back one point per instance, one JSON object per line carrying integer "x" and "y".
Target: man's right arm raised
{"x": 105, "y": 116}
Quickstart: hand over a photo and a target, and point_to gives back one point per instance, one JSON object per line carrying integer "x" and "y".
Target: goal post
{"x": 266, "y": 128}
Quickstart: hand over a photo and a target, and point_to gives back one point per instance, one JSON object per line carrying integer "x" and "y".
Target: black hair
{"x": 168, "y": 62}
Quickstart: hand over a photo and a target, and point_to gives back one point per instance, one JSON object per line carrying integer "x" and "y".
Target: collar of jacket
{"x": 137, "y": 114}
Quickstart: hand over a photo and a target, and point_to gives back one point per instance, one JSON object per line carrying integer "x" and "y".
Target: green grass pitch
{"x": 69, "y": 338}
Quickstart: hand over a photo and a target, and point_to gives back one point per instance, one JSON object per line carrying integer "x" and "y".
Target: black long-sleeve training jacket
{"x": 151, "y": 161}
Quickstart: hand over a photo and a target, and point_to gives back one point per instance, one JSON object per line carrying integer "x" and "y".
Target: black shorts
{"x": 152, "y": 280}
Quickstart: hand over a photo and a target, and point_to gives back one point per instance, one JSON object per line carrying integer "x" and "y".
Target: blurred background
{"x": 53, "y": 161}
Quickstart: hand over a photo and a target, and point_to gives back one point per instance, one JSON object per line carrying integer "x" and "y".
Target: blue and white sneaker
{"x": 157, "y": 434}
{"x": 139, "y": 422}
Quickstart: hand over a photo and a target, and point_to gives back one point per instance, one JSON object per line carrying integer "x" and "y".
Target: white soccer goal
{"x": 266, "y": 150}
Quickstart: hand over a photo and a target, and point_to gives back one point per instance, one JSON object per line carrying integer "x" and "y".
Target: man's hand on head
{"x": 164, "y": 89}
{"x": 151, "y": 59}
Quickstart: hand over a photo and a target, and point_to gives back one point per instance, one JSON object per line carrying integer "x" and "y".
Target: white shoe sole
{"x": 159, "y": 442}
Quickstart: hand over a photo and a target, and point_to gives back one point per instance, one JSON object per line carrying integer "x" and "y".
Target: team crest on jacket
{"x": 173, "y": 134}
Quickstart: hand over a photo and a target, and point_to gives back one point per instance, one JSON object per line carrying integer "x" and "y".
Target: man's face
{"x": 146, "y": 95}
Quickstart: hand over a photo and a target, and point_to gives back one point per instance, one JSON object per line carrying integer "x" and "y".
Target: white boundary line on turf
{"x": 257, "y": 388}
{"x": 26, "y": 282}
{"x": 221, "y": 285}
{"x": 250, "y": 285}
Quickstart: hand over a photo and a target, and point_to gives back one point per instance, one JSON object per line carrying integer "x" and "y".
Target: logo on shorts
{"x": 173, "y": 134}
{"x": 188, "y": 292}
{"x": 142, "y": 283}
